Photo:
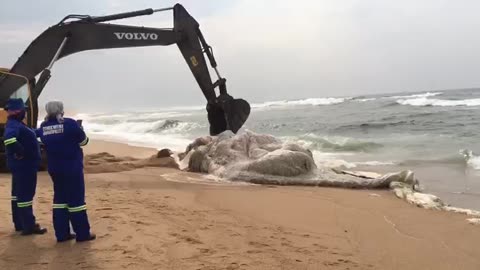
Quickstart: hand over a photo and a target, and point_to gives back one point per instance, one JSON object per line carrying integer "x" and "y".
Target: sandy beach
{"x": 162, "y": 218}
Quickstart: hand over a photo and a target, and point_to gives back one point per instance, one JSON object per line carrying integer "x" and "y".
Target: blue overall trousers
{"x": 63, "y": 141}
{"x": 23, "y": 160}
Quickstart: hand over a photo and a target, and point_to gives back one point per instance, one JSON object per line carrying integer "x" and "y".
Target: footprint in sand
{"x": 104, "y": 209}
{"x": 258, "y": 244}
{"x": 233, "y": 266}
{"x": 206, "y": 251}
{"x": 341, "y": 254}
{"x": 331, "y": 263}
{"x": 138, "y": 222}
{"x": 105, "y": 235}
{"x": 192, "y": 240}
{"x": 303, "y": 251}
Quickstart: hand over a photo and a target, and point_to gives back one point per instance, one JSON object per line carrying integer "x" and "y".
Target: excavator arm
{"x": 76, "y": 33}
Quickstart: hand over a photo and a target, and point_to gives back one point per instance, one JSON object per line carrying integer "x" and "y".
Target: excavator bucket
{"x": 236, "y": 113}
{"x": 227, "y": 114}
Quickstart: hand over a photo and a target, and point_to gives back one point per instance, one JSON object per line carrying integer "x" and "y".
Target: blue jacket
{"x": 63, "y": 143}
{"x": 23, "y": 151}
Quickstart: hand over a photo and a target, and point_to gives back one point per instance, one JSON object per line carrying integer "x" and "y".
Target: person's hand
{"x": 17, "y": 157}
{"x": 79, "y": 122}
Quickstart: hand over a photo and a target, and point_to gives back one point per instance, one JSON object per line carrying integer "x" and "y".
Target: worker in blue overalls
{"x": 63, "y": 138}
{"x": 23, "y": 160}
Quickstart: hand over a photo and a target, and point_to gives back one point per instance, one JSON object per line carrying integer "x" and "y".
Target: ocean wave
{"x": 336, "y": 144}
{"x": 423, "y": 101}
{"x": 334, "y": 160}
{"x": 365, "y": 99}
{"x": 472, "y": 160}
{"x": 302, "y": 102}
{"x": 474, "y": 163}
{"x": 455, "y": 160}
{"x": 160, "y": 126}
{"x": 330, "y": 160}
{"x": 364, "y": 126}
{"x": 424, "y": 95}
{"x": 375, "y": 163}
{"x": 110, "y": 119}
{"x": 465, "y": 158}
{"x": 423, "y": 114}
{"x": 170, "y": 133}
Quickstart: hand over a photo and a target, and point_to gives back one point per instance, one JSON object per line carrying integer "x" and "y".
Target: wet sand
{"x": 159, "y": 218}
{"x": 455, "y": 184}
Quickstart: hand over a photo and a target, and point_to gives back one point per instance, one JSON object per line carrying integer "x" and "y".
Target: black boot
{"x": 90, "y": 238}
{"x": 67, "y": 238}
{"x": 35, "y": 230}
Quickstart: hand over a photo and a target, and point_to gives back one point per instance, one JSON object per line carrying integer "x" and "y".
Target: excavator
{"x": 75, "y": 33}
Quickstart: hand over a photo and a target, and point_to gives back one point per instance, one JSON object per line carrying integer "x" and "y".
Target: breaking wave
{"x": 423, "y": 101}
{"x": 472, "y": 160}
{"x": 465, "y": 158}
{"x": 161, "y": 126}
{"x": 365, "y": 99}
{"x": 335, "y": 144}
{"x": 424, "y": 95}
{"x": 151, "y": 129}
{"x": 374, "y": 125}
{"x": 302, "y": 102}
{"x": 335, "y": 160}
{"x": 144, "y": 117}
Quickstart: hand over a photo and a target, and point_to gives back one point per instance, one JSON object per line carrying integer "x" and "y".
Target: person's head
{"x": 54, "y": 110}
{"x": 15, "y": 108}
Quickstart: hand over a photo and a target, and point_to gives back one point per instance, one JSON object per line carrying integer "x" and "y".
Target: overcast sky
{"x": 267, "y": 50}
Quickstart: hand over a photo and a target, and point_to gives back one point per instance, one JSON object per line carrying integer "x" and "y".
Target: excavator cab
{"x": 23, "y": 91}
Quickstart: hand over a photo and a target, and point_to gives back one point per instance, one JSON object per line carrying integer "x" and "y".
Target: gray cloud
{"x": 268, "y": 50}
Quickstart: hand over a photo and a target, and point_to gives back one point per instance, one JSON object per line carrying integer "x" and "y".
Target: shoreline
{"x": 152, "y": 218}
{"x": 427, "y": 175}
{"x": 119, "y": 149}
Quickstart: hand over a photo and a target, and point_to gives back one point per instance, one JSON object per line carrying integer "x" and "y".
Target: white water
{"x": 473, "y": 161}
{"x": 365, "y": 99}
{"x": 424, "y": 95}
{"x": 141, "y": 130}
{"x": 302, "y": 102}
{"x": 423, "y": 101}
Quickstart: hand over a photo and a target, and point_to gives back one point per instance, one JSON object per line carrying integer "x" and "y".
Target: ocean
{"x": 435, "y": 134}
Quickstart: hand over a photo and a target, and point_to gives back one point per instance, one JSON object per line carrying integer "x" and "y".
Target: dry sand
{"x": 155, "y": 218}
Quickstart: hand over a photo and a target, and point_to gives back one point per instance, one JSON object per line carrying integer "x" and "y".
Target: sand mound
{"x": 108, "y": 163}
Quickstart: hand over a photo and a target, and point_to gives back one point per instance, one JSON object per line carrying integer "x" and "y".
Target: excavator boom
{"x": 76, "y": 33}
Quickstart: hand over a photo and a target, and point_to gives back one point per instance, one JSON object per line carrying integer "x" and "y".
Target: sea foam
{"x": 302, "y": 102}
{"x": 472, "y": 160}
{"x": 424, "y": 95}
{"x": 423, "y": 101}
